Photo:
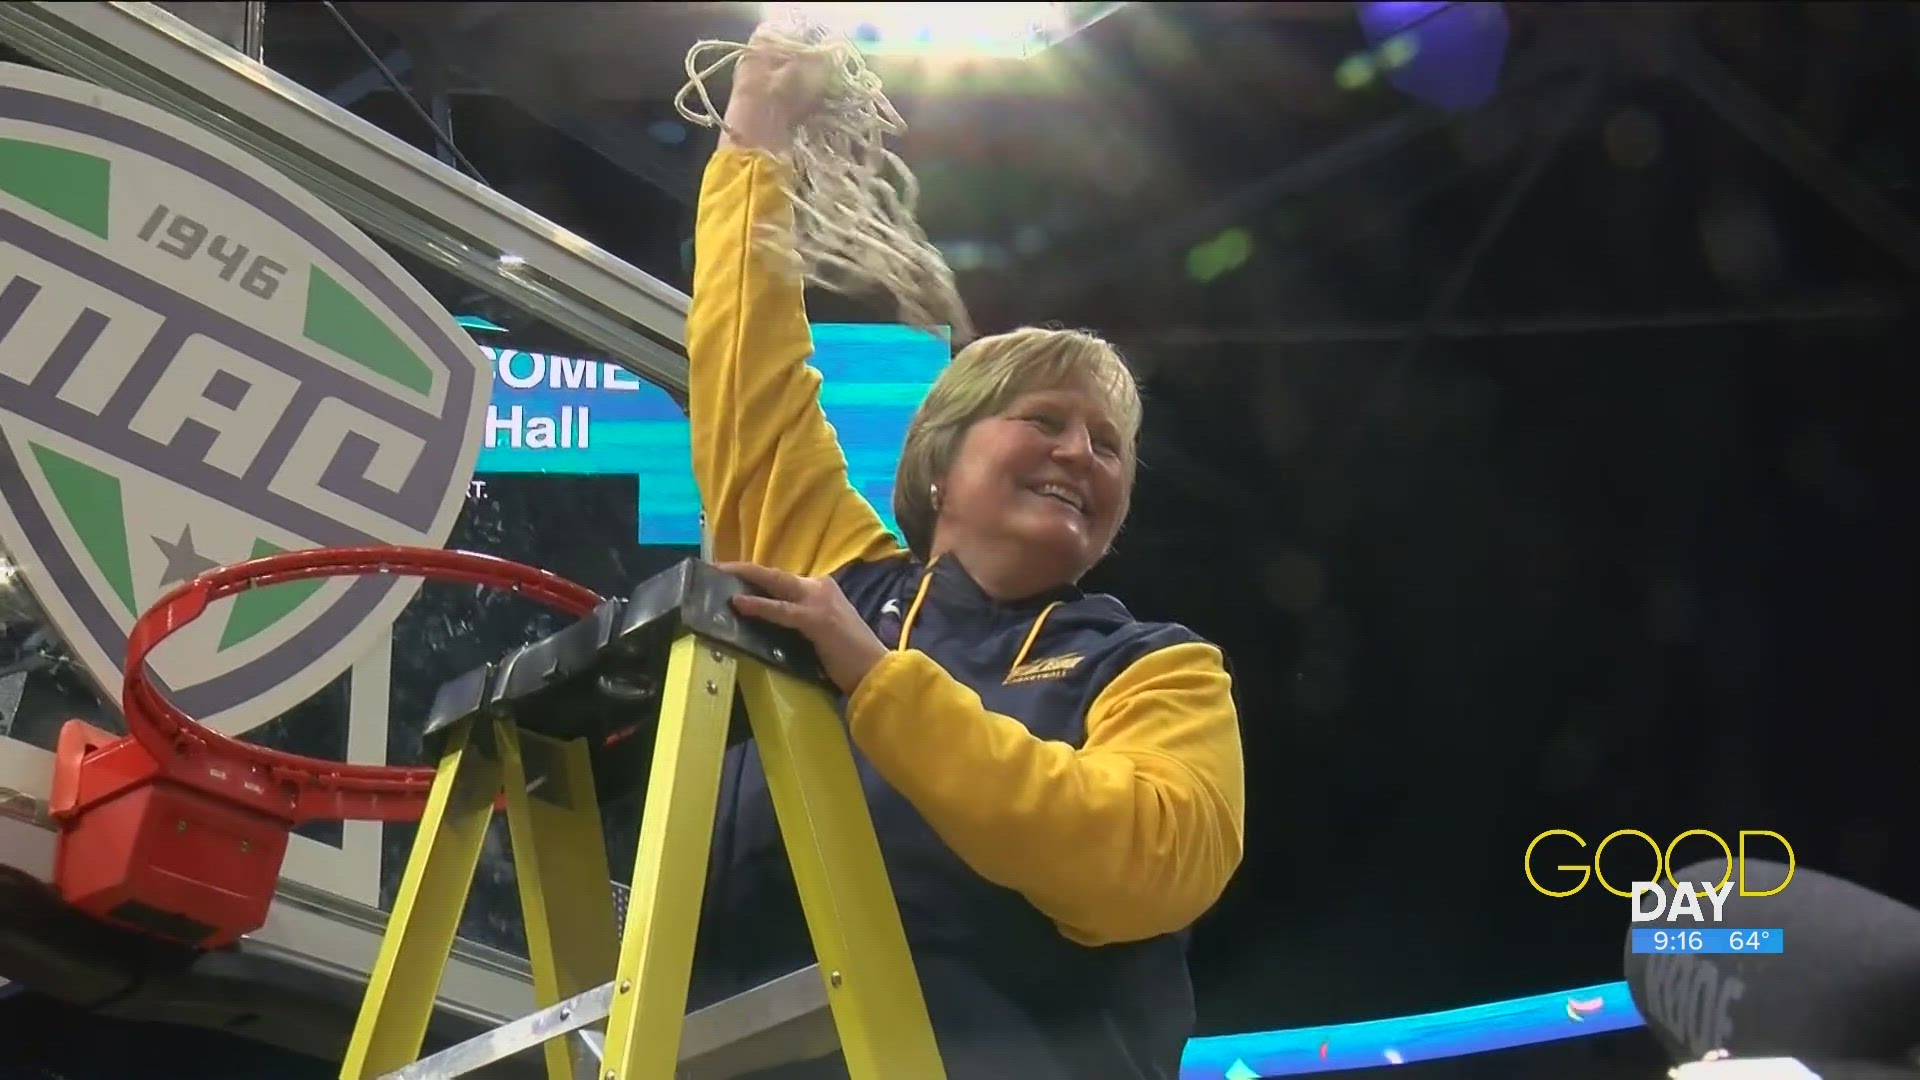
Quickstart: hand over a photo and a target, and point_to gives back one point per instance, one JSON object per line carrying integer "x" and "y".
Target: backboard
{"x": 558, "y": 443}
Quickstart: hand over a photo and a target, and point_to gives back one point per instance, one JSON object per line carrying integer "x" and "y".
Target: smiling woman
{"x": 1030, "y": 415}
{"x": 1057, "y": 787}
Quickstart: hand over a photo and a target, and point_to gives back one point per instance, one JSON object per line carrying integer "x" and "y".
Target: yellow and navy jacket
{"x": 1057, "y": 787}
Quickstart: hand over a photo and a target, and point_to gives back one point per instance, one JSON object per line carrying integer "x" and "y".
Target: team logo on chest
{"x": 1051, "y": 667}
{"x": 201, "y": 363}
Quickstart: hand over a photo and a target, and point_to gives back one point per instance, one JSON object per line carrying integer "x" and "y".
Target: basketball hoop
{"x": 145, "y": 817}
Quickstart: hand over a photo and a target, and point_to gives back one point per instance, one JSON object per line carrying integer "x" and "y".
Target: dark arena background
{"x": 1527, "y": 390}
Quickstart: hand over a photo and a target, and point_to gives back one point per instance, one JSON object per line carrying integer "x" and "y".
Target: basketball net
{"x": 853, "y": 199}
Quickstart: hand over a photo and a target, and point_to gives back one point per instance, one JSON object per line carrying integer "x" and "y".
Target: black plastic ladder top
{"x": 600, "y": 678}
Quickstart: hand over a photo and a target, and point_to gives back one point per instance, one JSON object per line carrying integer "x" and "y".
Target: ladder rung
{"x": 491, "y": 1047}
{"x": 766, "y": 1014}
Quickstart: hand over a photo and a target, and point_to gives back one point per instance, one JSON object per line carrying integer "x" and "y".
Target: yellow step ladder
{"x": 544, "y": 728}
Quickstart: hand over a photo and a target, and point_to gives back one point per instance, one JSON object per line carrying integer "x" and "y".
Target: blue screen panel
{"x": 1403, "y": 1040}
{"x": 563, "y": 415}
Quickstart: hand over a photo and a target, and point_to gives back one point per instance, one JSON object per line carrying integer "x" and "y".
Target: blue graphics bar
{"x": 568, "y": 416}
{"x": 1708, "y": 941}
{"x": 1404, "y": 1040}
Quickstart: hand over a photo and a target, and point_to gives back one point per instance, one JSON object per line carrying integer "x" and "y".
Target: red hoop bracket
{"x": 178, "y": 830}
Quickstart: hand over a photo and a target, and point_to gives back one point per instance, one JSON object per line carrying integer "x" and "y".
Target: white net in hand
{"x": 853, "y": 199}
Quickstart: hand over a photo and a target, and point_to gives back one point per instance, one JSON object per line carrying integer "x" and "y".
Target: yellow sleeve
{"x": 1132, "y": 835}
{"x": 771, "y": 474}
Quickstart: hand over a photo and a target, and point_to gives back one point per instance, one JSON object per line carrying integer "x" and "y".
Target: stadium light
{"x": 1005, "y": 30}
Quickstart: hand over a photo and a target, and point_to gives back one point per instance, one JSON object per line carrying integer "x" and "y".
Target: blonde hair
{"x": 984, "y": 379}
{"x": 853, "y": 199}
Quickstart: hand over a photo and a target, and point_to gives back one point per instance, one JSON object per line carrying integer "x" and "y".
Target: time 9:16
{"x": 184, "y": 238}
{"x": 1683, "y": 941}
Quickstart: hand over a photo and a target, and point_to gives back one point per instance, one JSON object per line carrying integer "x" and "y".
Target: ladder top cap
{"x": 624, "y": 644}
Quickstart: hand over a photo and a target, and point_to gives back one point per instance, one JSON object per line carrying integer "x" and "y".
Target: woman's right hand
{"x": 774, "y": 92}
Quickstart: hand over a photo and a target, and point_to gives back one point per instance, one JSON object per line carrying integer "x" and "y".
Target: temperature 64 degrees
{"x": 1716, "y": 941}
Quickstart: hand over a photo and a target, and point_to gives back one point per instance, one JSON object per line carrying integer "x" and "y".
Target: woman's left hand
{"x": 817, "y": 609}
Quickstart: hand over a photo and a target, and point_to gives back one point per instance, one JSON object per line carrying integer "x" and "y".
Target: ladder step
{"x": 783, "y": 1020}
{"x": 510, "y": 1038}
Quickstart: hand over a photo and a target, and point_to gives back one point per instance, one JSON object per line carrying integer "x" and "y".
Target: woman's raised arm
{"x": 772, "y": 476}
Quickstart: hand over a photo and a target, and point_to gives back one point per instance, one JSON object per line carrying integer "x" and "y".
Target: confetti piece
{"x": 1578, "y": 1008}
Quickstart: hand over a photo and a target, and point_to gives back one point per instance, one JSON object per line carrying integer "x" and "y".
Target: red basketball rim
{"x": 169, "y": 734}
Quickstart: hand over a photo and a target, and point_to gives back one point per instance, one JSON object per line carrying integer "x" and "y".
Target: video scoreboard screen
{"x": 557, "y": 416}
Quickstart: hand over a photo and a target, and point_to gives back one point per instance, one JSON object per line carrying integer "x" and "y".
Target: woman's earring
{"x": 933, "y": 493}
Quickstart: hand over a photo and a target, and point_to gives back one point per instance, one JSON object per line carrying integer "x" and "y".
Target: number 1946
{"x": 184, "y": 238}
